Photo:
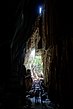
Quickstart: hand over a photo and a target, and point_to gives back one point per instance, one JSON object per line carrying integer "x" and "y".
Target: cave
{"x": 46, "y": 27}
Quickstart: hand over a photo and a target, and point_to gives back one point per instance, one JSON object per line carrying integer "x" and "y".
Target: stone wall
{"x": 57, "y": 55}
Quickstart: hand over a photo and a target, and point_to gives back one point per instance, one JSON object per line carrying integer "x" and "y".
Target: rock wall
{"x": 57, "y": 55}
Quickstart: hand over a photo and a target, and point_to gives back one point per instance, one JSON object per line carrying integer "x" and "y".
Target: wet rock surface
{"x": 39, "y": 98}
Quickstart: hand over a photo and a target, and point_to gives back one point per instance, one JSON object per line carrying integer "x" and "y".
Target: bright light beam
{"x": 40, "y": 10}
{"x": 32, "y": 53}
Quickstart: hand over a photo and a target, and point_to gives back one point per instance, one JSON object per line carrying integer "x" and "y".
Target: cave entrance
{"x": 33, "y": 61}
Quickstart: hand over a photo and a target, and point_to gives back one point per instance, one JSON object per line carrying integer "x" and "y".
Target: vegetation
{"x": 38, "y": 64}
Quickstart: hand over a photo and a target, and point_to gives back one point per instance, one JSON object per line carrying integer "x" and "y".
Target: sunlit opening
{"x": 40, "y": 10}
{"x": 35, "y": 63}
